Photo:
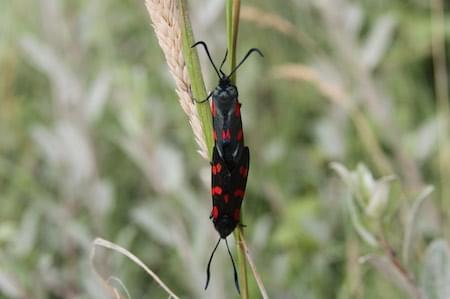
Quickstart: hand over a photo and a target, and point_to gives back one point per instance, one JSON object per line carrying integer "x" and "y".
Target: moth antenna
{"x": 207, "y": 53}
{"x": 208, "y": 273}
{"x": 236, "y": 279}
{"x": 252, "y": 50}
{"x": 223, "y": 62}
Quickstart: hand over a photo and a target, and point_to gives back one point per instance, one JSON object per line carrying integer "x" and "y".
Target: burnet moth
{"x": 230, "y": 161}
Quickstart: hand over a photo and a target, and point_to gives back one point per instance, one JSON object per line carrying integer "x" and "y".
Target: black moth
{"x": 230, "y": 161}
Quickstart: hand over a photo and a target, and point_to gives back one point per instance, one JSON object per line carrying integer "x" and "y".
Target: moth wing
{"x": 239, "y": 176}
{"x": 220, "y": 177}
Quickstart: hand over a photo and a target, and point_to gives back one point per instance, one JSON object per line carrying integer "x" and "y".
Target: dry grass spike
{"x": 165, "y": 18}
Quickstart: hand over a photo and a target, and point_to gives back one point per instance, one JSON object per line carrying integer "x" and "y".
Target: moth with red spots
{"x": 230, "y": 160}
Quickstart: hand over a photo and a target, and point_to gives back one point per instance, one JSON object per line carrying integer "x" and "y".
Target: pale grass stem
{"x": 107, "y": 244}
{"x": 256, "y": 275}
{"x": 266, "y": 19}
{"x": 165, "y": 18}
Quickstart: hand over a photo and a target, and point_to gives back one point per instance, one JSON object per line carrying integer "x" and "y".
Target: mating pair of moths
{"x": 230, "y": 159}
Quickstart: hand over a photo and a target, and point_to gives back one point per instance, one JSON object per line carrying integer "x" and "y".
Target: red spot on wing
{"x": 236, "y": 214}
{"x": 243, "y": 171}
{"x": 239, "y": 135}
{"x": 237, "y": 109}
{"x": 226, "y": 135}
{"x": 226, "y": 198}
{"x": 216, "y": 168}
{"x": 215, "y": 212}
{"x": 216, "y": 190}
{"x": 239, "y": 193}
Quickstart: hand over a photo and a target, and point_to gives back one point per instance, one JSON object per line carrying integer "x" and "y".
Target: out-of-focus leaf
{"x": 25, "y": 239}
{"x": 423, "y": 141}
{"x": 261, "y": 232}
{"x": 162, "y": 164}
{"x": 67, "y": 148}
{"x": 168, "y": 163}
{"x": 301, "y": 224}
{"x": 102, "y": 193}
{"x": 330, "y": 136}
{"x": 435, "y": 276}
{"x": 79, "y": 234}
{"x": 371, "y": 195}
{"x": 344, "y": 173}
{"x": 391, "y": 273}
{"x": 378, "y": 41}
{"x": 358, "y": 182}
{"x": 67, "y": 87}
{"x": 274, "y": 151}
{"x": 365, "y": 184}
{"x": 379, "y": 198}
{"x": 7, "y": 231}
{"x": 97, "y": 96}
{"x": 154, "y": 222}
{"x": 10, "y": 286}
{"x": 354, "y": 18}
{"x": 412, "y": 219}
{"x": 364, "y": 233}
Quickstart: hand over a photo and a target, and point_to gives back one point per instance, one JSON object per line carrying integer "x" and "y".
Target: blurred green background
{"x": 93, "y": 143}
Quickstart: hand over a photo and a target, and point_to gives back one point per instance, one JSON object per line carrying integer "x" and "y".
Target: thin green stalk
{"x": 233, "y": 8}
{"x": 195, "y": 75}
{"x": 442, "y": 95}
{"x": 232, "y": 25}
{"x": 370, "y": 142}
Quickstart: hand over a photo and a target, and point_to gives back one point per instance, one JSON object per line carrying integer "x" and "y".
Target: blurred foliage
{"x": 93, "y": 143}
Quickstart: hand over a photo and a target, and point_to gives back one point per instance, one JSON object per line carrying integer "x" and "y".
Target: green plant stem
{"x": 233, "y": 11}
{"x": 232, "y": 25}
{"x": 370, "y": 142}
{"x": 442, "y": 96}
{"x": 195, "y": 75}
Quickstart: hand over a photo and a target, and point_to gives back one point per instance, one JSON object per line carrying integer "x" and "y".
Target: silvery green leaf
{"x": 153, "y": 220}
{"x": 362, "y": 231}
{"x": 343, "y": 172}
{"x": 353, "y": 18}
{"x": 169, "y": 164}
{"x": 97, "y": 97}
{"x": 366, "y": 183}
{"x": 330, "y": 136}
{"x": 25, "y": 239}
{"x": 67, "y": 86}
{"x": 378, "y": 41}
{"x": 390, "y": 272}
{"x": 422, "y": 142}
{"x": 435, "y": 276}
{"x": 379, "y": 197}
{"x": 412, "y": 219}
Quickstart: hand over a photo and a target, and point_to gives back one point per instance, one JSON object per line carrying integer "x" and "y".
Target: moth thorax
{"x": 226, "y": 94}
